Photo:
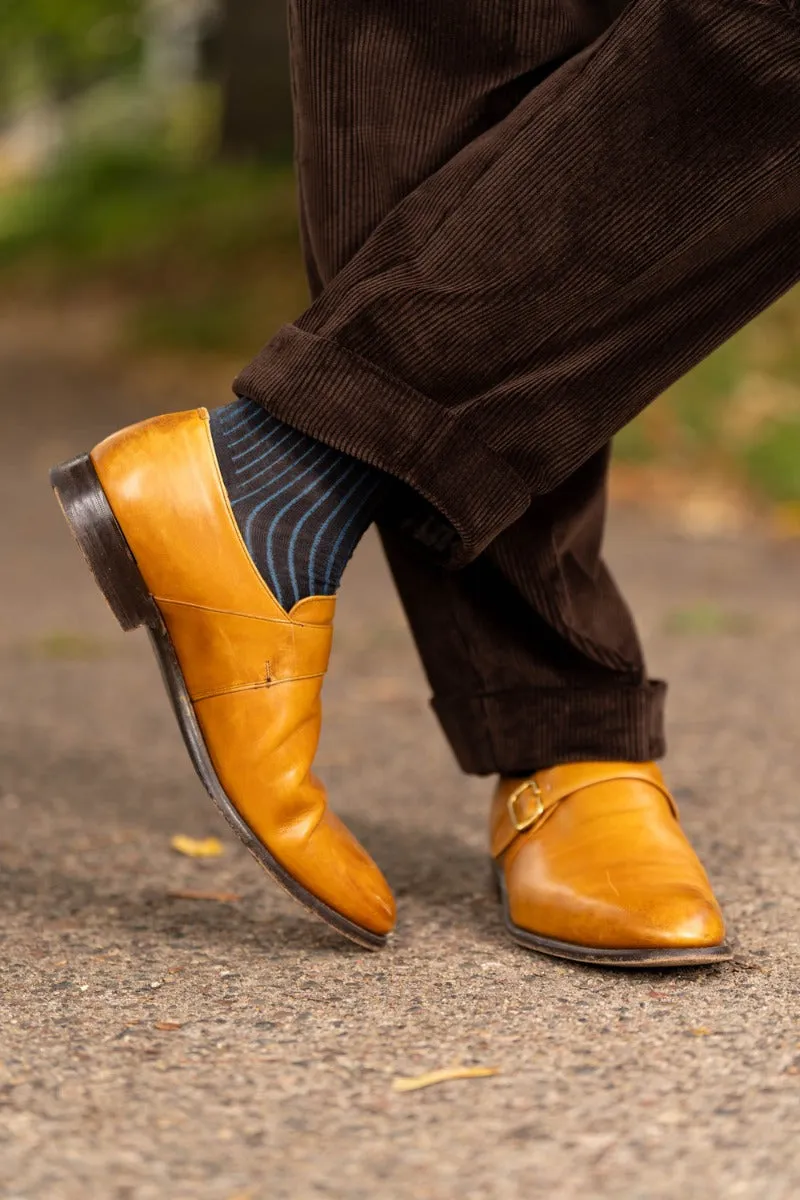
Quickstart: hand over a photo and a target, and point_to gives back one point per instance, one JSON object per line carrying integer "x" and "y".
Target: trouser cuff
{"x": 345, "y": 401}
{"x": 518, "y": 732}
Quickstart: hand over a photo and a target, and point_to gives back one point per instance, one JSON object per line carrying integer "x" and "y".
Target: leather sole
{"x": 692, "y": 956}
{"x": 100, "y": 538}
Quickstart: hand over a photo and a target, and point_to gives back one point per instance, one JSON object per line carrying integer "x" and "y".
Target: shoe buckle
{"x": 520, "y": 822}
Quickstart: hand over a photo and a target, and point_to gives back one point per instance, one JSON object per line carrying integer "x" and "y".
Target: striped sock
{"x": 301, "y": 506}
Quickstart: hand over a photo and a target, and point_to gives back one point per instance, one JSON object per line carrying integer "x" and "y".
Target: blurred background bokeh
{"x": 146, "y": 185}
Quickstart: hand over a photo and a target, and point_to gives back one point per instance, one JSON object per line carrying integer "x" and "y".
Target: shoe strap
{"x": 534, "y": 800}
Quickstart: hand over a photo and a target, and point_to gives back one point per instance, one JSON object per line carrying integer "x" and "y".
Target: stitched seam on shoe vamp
{"x": 254, "y": 687}
{"x": 229, "y": 612}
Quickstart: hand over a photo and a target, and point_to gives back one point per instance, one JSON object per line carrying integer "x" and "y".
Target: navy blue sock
{"x": 300, "y": 505}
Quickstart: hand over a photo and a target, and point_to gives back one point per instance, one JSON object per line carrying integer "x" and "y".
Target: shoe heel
{"x": 102, "y": 543}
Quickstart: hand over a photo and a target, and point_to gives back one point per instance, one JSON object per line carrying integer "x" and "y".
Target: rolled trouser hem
{"x": 345, "y": 401}
{"x": 517, "y": 732}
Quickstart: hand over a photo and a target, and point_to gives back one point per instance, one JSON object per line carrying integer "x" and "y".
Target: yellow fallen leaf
{"x": 168, "y": 1026}
{"x": 210, "y": 847}
{"x": 415, "y": 1082}
{"x": 700, "y": 1031}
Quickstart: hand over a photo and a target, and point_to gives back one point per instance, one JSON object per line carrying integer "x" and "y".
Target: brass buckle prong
{"x": 523, "y": 823}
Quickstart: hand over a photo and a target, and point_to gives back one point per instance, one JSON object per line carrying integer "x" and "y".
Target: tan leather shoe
{"x": 150, "y": 513}
{"x": 592, "y": 865}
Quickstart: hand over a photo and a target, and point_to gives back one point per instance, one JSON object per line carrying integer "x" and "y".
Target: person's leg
{"x": 528, "y": 299}
{"x": 531, "y": 652}
{"x": 301, "y": 504}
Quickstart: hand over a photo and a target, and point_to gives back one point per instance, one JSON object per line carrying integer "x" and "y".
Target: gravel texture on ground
{"x": 153, "y": 1046}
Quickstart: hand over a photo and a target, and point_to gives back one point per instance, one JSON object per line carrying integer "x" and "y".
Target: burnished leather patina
{"x": 593, "y": 864}
{"x": 252, "y": 672}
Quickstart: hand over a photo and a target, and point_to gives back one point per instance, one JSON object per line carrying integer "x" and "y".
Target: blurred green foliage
{"x": 131, "y": 209}
{"x": 205, "y": 255}
{"x": 704, "y": 617}
{"x": 65, "y": 45}
{"x": 772, "y": 459}
{"x": 736, "y": 415}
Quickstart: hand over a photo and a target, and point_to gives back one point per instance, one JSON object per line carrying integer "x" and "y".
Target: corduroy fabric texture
{"x": 525, "y": 301}
{"x": 523, "y": 219}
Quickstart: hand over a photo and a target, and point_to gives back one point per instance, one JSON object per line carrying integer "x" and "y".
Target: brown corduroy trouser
{"x": 523, "y": 219}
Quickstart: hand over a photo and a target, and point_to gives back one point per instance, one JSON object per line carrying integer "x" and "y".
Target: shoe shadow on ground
{"x": 55, "y": 901}
{"x": 457, "y": 896}
{"x": 434, "y": 868}
{"x": 436, "y": 873}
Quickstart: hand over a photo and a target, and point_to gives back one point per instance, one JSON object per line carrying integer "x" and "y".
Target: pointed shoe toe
{"x": 353, "y": 880}
{"x": 592, "y": 865}
{"x": 374, "y": 905}
{"x": 684, "y": 919}
{"x": 152, "y": 518}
